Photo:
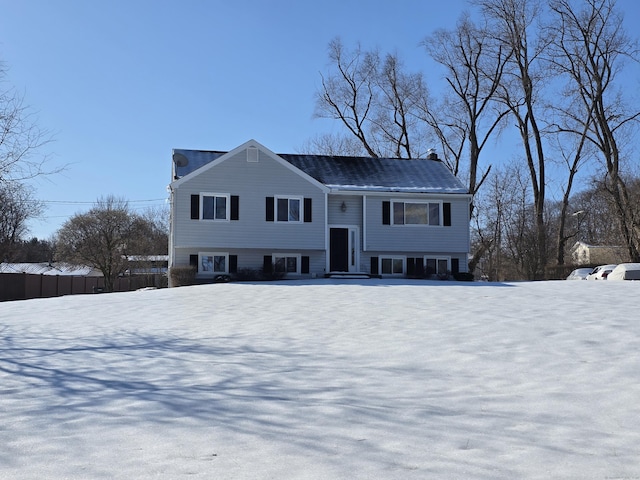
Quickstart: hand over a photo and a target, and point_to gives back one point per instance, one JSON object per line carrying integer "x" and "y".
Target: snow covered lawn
{"x": 325, "y": 379}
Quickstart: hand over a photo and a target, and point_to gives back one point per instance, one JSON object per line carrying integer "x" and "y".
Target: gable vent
{"x": 252, "y": 154}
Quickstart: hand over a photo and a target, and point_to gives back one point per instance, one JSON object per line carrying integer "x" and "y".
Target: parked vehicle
{"x": 579, "y": 274}
{"x": 625, "y": 271}
{"x": 601, "y": 272}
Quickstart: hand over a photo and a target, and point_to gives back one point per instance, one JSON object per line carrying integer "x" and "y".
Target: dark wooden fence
{"x": 23, "y": 286}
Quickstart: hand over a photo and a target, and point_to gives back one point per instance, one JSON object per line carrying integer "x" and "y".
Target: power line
{"x": 75, "y": 202}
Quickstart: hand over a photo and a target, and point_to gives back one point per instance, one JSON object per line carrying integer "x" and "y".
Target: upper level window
{"x": 214, "y": 206}
{"x": 288, "y": 209}
{"x": 416, "y": 213}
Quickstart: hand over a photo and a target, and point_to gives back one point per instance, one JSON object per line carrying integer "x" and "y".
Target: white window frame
{"x": 392, "y": 258}
{"x": 215, "y": 195}
{"x": 428, "y": 203}
{"x": 212, "y": 272}
{"x": 288, "y": 198}
{"x": 437, "y": 258}
{"x": 297, "y": 256}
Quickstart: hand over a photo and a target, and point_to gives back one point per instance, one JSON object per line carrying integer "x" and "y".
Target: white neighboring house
{"x": 313, "y": 215}
{"x": 585, "y": 254}
{"x": 147, "y": 264}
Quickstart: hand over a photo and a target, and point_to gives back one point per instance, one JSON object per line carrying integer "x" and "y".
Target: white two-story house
{"x": 313, "y": 215}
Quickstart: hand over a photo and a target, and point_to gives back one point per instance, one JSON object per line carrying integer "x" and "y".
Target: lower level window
{"x": 213, "y": 263}
{"x": 392, "y": 265}
{"x": 285, "y": 263}
{"x": 437, "y": 266}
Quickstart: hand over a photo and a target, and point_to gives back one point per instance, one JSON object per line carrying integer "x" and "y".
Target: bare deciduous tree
{"x": 589, "y": 49}
{"x": 20, "y": 137}
{"x": 469, "y": 114}
{"x": 376, "y": 100}
{"x": 333, "y": 144}
{"x": 17, "y": 207}
{"x": 474, "y": 64}
{"x": 105, "y": 237}
{"x": 512, "y": 23}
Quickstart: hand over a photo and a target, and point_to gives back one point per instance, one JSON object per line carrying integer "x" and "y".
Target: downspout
{"x": 326, "y": 232}
{"x": 364, "y": 223}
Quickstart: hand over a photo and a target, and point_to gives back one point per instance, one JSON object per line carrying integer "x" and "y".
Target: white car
{"x": 601, "y": 272}
{"x": 625, "y": 271}
{"x": 579, "y": 274}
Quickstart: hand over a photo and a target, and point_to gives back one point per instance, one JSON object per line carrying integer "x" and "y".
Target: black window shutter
{"x": 304, "y": 268}
{"x": 195, "y": 207}
{"x": 411, "y": 266}
{"x": 193, "y": 260}
{"x": 386, "y": 214}
{"x": 419, "y": 267}
{"x": 307, "y": 209}
{"x": 235, "y": 207}
{"x": 455, "y": 265}
{"x": 446, "y": 213}
{"x": 267, "y": 264}
{"x": 270, "y": 209}
{"x": 233, "y": 263}
{"x": 374, "y": 265}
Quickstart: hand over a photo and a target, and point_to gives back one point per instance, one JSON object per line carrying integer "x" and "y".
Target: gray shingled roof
{"x": 356, "y": 173}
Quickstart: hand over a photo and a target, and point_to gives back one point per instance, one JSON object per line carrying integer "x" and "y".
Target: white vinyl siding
{"x": 251, "y": 182}
{"x": 392, "y": 238}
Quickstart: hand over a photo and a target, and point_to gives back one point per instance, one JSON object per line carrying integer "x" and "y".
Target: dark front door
{"x": 339, "y": 249}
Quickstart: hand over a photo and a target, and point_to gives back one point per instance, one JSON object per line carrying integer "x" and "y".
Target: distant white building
{"x": 585, "y": 254}
{"x": 147, "y": 264}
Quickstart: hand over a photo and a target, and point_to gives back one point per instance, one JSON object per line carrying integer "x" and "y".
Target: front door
{"x": 343, "y": 249}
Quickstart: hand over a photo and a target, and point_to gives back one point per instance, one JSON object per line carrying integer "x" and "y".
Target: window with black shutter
{"x": 233, "y": 264}
{"x": 304, "y": 268}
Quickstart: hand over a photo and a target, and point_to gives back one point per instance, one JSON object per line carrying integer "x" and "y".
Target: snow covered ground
{"x": 325, "y": 379}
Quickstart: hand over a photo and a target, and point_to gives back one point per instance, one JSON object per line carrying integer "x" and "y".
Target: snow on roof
{"x": 148, "y": 258}
{"x": 47, "y": 269}
{"x": 353, "y": 173}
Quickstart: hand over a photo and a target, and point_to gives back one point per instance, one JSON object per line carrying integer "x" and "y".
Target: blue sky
{"x": 121, "y": 83}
